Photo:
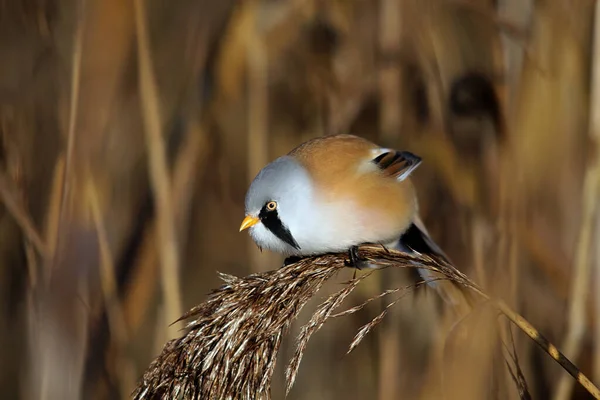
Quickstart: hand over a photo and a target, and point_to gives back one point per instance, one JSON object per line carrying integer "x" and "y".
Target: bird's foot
{"x": 355, "y": 260}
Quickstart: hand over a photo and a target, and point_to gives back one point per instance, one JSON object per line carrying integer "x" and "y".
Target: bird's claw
{"x": 355, "y": 260}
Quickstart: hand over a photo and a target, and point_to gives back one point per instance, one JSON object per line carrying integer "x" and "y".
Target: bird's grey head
{"x": 276, "y": 204}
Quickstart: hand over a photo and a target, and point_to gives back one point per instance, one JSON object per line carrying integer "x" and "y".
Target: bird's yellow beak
{"x": 248, "y": 222}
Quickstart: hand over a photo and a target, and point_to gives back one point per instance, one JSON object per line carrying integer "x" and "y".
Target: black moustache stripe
{"x": 271, "y": 221}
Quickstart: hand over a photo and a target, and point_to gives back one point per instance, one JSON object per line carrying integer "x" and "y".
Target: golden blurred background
{"x": 130, "y": 131}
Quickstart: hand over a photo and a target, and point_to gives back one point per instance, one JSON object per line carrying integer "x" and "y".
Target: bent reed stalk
{"x": 232, "y": 339}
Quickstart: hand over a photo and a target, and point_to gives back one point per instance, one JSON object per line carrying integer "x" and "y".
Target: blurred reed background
{"x": 130, "y": 131}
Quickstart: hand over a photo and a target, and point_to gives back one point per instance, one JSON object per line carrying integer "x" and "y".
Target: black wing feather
{"x": 399, "y": 164}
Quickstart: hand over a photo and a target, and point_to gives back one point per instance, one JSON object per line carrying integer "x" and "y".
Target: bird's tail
{"x": 416, "y": 239}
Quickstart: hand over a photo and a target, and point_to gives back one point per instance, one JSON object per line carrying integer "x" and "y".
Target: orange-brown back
{"x": 342, "y": 169}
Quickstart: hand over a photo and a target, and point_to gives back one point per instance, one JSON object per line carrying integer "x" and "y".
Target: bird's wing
{"x": 398, "y": 164}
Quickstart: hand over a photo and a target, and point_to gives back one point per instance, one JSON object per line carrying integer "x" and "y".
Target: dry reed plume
{"x": 232, "y": 339}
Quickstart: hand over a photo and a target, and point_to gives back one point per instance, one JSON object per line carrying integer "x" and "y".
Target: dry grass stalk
{"x": 10, "y": 199}
{"x": 596, "y": 305}
{"x": 114, "y": 311}
{"x": 159, "y": 174}
{"x": 595, "y": 132}
{"x": 69, "y": 152}
{"x": 187, "y": 167}
{"x": 580, "y": 284}
{"x": 230, "y": 348}
{"x": 390, "y": 33}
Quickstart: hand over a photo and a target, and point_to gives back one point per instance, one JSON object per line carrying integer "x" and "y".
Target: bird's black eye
{"x": 271, "y": 206}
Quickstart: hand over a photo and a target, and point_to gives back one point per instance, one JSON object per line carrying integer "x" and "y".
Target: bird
{"x": 333, "y": 193}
